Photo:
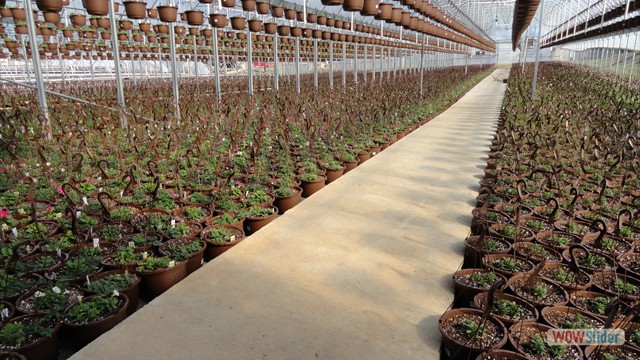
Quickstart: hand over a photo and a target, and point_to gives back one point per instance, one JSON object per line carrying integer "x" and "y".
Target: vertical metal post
{"x": 275, "y": 62}
{"x": 216, "y": 64}
{"x": 344, "y": 64}
{"x": 395, "y": 59}
{"x": 250, "y": 61}
{"x": 537, "y": 65}
{"x": 617, "y": 59}
{"x": 381, "y": 62}
{"x": 365, "y": 63}
{"x": 355, "y": 63}
{"x": 373, "y": 63}
{"x": 633, "y": 59}
{"x": 466, "y": 61}
{"x": 315, "y": 62}
{"x": 133, "y": 72}
{"x": 331, "y": 64}
{"x": 116, "y": 62}
{"x": 195, "y": 60}
{"x": 61, "y": 68}
{"x": 298, "y": 65}
{"x": 389, "y": 63}
{"x": 422, "y": 67}
{"x": 626, "y": 55}
{"x": 174, "y": 73}
{"x": 26, "y": 59}
{"x": 35, "y": 55}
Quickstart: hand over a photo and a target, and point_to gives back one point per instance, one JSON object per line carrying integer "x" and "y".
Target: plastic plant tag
{"x": 88, "y": 281}
{"x": 59, "y": 252}
{"x": 145, "y": 255}
{"x": 15, "y": 232}
{"x": 132, "y": 244}
{"x": 96, "y": 242}
{"x": 232, "y": 238}
{"x": 4, "y": 313}
{"x": 78, "y": 213}
{"x": 173, "y": 223}
{"x": 121, "y": 193}
{"x": 172, "y": 264}
{"x": 84, "y": 200}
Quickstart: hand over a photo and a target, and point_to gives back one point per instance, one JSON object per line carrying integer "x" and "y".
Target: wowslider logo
{"x": 585, "y": 337}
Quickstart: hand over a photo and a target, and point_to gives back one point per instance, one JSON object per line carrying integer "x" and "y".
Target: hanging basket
{"x": 352, "y": 5}
{"x": 270, "y": 28}
{"x": 296, "y": 31}
{"x": 284, "y": 30}
{"x": 218, "y": 20}
{"x": 255, "y": 25}
{"x": 136, "y": 10}
{"x": 290, "y": 14}
{"x": 263, "y": 7}
{"x": 248, "y": 5}
{"x": 152, "y": 13}
{"x": 52, "y": 17}
{"x": 277, "y": 11}
{"x": 229, "y": 3}
{"x": 370, "y": 8}
{"x": 168, "y": 13}
{"x": 49, "y": 5}
{"x": 331, "y": 2}
{"x": 195, "y": 17}
{"x": 238, "y": 23}
{"x": 96, "y": 7}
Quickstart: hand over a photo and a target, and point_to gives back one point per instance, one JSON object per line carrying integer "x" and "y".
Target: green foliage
{"x": 153, "y": 263}
{"x": 182, "y": 251}
{"x": 107, "y": 284}
{"x": 472, "y": 329}
{"x": 484, "y": 279}
{"x": 93, "y": 309}
{"x": 507, "y": 308}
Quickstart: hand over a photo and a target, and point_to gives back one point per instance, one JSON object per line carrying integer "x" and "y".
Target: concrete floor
{"x": 360, "y": 270}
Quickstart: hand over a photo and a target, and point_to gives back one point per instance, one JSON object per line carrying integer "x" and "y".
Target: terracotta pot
{"x": 331, "y": 2}
{"x": 49, "y": 5}
{"x": 479, "y": 301}
{"x": 229, "y": 3}
{"x": 277, "y": 11}
{"x": 284, "y": 30}
{"x": 255, "y": 25}
{"x": 311, "y": 187}
{"x": 263, "y": 7}
{"x": 82, "y": 334}
{"x": 501, "y": 355}
{"x": 350, "y": 165}
{"x": 459, "y": 350}
{"x": 464, "y": 293}
{"x": 168, "y": 13}
{"x": 290, "y": 14}
{"x": 195, "y": 260}
{"x": 333, "y": 175}
{"x": 215, "y": 249}
{"x": 364, "y": 156}
{"x": 96, "y": 7}
{"x": 132, "y": 292}
{"x": 476, "y": 249}
{"x": 238, "y": 23}
{"x": 46, "y": 348}
{"x": 195, "y": 17}
{"x": 520, "y": 333}
{"x": 218, "y": 20}
{"x": 352, "y": 5}
{"x": 248, "y": 5}
{"x": 284, "y": 203}
{"x": 152, "y": 13}
{"x": 156, "y": 282}
{"x": 593, "y": 352}
{"x": 135, "y": 9}
{"x": 548, "y": 318}
{"x": 253, "y": 224}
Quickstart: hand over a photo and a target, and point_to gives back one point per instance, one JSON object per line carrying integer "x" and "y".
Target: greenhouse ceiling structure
{"x": 319, "y": 179}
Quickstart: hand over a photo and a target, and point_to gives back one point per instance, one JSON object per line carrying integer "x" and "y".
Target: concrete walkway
{"x": 361, "y": 270}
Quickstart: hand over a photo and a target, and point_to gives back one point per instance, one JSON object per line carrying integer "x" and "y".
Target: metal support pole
{"x": 116, "y": 62}
{"x": 298, "y": 65}
{"x": 537, "y": 65}
{"x": 355, "y": 63}
{"x": 373, "y": 63}
{"x": 422, "y": 68}
{"x": 466, "y": 61}
{"x": 344, "y": 64}
{"x": 35, "y": 55}
{"x": 216, "y": 64}
{"x": 315, "y": 63}
{"x": 381, "y": 62}
{"x": 365, "y": 63}
{"x": 61, "y": 68}
{"x": 389, "y": 63}
{"x": 195, "y": 60}
{"x": 331, "y": 64}
{"x": 250, "y": 62}
{"x": 174, "y": 73}
{"x": 26, "y": 59}
{"x": 395, "y": 60}
{"x": 276, "y": 83}
{"x": 617, "y": 59}
{"x": 633, "y": 59}
{"x": 626, "y": 55}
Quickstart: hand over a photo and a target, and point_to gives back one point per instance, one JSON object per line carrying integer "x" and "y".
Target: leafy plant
{"x": 93, "y": 309}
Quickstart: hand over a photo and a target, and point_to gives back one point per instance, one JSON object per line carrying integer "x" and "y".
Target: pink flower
{"x": 298, "y": 123}
{"x": 239, "y": 183}
{"x": 2, "y": 170}
{"x": 290, "y": 117}
{"x": 90, "y": 180}
{"x": 4, "y": 214}
{"x": 203, "y": 119}
{"x": 59, "y": 190}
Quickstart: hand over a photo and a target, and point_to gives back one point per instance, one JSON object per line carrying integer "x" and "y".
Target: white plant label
{"x": 78, "y": 213}
{"x": 15, "y": 232}
{"x": 88, "y": 281}
{"x": 172, "y": 264}
{"x": 232, "y": 238}
{"x": 96, "y": 242}
{"x": 173, "y": 223}
{"x": 84, "y": 200}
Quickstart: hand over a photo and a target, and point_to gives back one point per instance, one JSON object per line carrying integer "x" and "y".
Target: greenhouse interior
{"x": 185, "y": 179}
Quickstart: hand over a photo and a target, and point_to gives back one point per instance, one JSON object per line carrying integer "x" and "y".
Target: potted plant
{"x": 185, "y": 249}
{"x": 159, "y": 274}
{"x": 122, "y": 281}
{"x": 94, "y": 315}
{"x": 468, "y": 332}
{"x": 34, "y": 336}
{"x": 257, "y": 217}
{"x": 97, "y": 7}
{"x": 220, "y": 238}
{"x": 135, "y": 9}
